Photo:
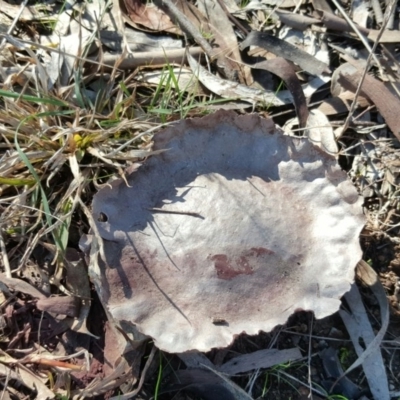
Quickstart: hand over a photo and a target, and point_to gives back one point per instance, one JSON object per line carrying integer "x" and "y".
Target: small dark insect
{"x": 102, "y": 217}
{"x": 219, "y": 321}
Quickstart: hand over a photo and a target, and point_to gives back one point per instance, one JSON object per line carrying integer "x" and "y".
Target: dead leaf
{"x": 333, "y": 370}
{"x": 386, "y": 102}
{"x": 341, "y": 104}
{"x": 146, "y": 14}
{"x": 320, "y": 132}
{"x": 232, "y": 90}
{"x": 285, "y": 70}
{"x": 225, "y": 37}
{"x": 359, "y": 328}
{"x": 111, "y": 382}
{"x": 195, "y": 359}
{"x": 65, "y": 305}
{"x": 27, "y": 378}
{"x": 19, "y": 285}
{"x": 206, "y": 385}
{"x": 346, "y": 68}
{"x": 322, "y": 5}
{"x": 259, "y": 359}
{"x": 287, "y": 51}
{"x": 307, "y": 41}
{"x": 77, "y": 282}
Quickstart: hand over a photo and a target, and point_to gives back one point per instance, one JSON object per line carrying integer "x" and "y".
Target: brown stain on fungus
{"x": 260, "y": 251}
{"x": 245, "y": 264}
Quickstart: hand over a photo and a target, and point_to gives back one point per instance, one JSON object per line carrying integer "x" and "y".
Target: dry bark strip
{"x": 285, "y": 70}
{"x": 286, "y": 50}
{"x": 386, "y": 102}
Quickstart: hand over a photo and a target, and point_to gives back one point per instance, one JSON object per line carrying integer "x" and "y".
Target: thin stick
{"x": 12, "y": 26}
{"x": 356, "y": 30}
{"x": 6, "y": 262}
{"x": 232, "y": 18}
{"x": 371, "y": 54}
{"x": 131, "y": 61}
{"x": 191, "y": 213}
{"x": 187, "y": 26}
{"x": 309, "y": 357}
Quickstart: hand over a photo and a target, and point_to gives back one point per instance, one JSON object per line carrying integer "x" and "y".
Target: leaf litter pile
{"x": 199, "y": 200}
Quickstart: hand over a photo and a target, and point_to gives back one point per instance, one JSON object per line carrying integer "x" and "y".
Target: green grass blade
{"x": 16, "y": 181}
{"x": 158, "y": 383}
{"x": 32, "y": 99}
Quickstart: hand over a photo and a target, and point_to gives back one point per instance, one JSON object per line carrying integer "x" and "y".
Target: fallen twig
{"x": 148, "y": 58}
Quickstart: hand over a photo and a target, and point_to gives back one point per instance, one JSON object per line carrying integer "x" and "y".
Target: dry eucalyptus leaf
{"x": 66, "y": 305}
{"x": 19, "y": 285}
{"x": 207, "y": 385}
{"x": 332, "y": 371}
{"x": 225, "y": 38}
{"x": 286, "y": 50}
{"x": 265, "y": 358}
{"x": 233, "y": 229}
{"x": 22, "y": 375}
{"x": 320, "y": 132}
{"x": 286, "y": 71}
{"x": 232, "y": 90}
{"x": 387, "y": 103}
{"x": 361, "y": 331}
{"x": 147, "y": 15}
{"x": 77, "y": 283}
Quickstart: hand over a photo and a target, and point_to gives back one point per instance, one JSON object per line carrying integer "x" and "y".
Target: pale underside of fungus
{"x": 230, "y": 230}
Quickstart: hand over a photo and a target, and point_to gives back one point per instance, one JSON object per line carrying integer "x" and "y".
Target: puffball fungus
{"x": 230, "y": 230}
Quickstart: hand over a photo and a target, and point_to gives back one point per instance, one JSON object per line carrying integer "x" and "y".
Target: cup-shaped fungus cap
{"x": 230, "y": 230}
